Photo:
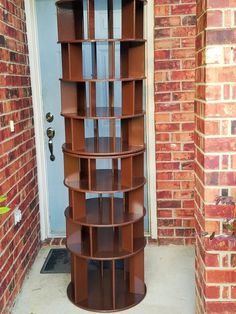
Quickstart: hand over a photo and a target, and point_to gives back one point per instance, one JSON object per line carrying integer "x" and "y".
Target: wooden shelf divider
{"x": 104, "y": 155}
{"x": 91, "y": 19}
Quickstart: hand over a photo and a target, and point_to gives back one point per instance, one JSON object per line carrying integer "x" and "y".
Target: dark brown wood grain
{"x": 105, "y": 216}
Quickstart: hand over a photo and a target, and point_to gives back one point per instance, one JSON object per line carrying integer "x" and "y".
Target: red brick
{"x": 164, "y": 194}
{"x": 221, "y": 4}
{"x": 220, "y": 109}
{"x": 233, "y": 292}
{"x": 185, "y": 32}
{"x": 167, "y": 65}
{"x": 165, "y": 232}
{"x": 220, "y": 75}
{"x": 221, "y": 276}
{"x": 167, "y": 21}
{"x": 214, "y": 18}
{"x": 183, "y": 9}
{"x": 212, "y": 260}
{"x": 212, "y": 292}
{"x": 18, "y": 174}
{"x": 183, "y": 75}
{"x": 221, "y": 307}
{"x": 162, "y": 54}
{"x": 167, "y": 127}
{"x": 219, "y": 211}
{"x": 184, "y": 213}
{"x": 164, "y": 213}
{"x": 161, "y": 2}
{"x": 168, "y": 107}
{"x": 220, "y": 144}
{"x": 220, "y": 36}
{"x": 169, "y": 204}
{"x": 220, "y": 243}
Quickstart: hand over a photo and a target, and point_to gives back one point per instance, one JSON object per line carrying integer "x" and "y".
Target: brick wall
{"x": 18, "y": 177}
{"x": 175, "y": 28}
{"x": 215, "y": 110}
{"x": 215, "y": 144}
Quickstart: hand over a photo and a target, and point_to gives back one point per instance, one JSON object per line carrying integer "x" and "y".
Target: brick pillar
{"x": 175, "y": 26}
{"x": 215, "y": 142}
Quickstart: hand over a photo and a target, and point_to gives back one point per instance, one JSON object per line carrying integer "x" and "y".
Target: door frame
{"x": 34, "y": 62}
{"x": 150, "y": 118}
{"x": 35, "y": 75}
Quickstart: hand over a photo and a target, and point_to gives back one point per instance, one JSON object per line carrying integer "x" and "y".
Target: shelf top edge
{"x": 125, "y": 255}
{"x": 95, "y": 40}
{"x": 94, "y": 117}
{"x": 115, "y": 155}
{"x": 96, "y": 225}
{"x": 109, "y": 155}
{"x": 68, "y": 3}
{"x": 122, "y": 79}
{"x": 124, "y": 189}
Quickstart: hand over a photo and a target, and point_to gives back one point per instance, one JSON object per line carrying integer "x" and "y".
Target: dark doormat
{"x": 57, "y": 261}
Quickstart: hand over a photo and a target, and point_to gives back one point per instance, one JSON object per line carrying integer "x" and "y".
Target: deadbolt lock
{"x": 49, "y": 117}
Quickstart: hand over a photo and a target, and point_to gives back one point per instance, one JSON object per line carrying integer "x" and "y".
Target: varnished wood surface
{"x": 109, "y": 250}
{"x": 102, "y": 113}
{"x": 107, "y": 79}
{"x": 105, "y": 228}
{"x": 104, "y": 146}
{"x": 100, "y": 299}
{"x": 92, "y": 158}
{"x": 68, "y": 4}
{"x": 106, "y": 181}
{"x": 105, "y": 40}
{"x": 101, "y": 216}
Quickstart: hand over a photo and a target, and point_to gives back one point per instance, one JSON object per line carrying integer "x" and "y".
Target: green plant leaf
{"x": 230, "y": 227}
{"x": 3, "y": 198}
{"x": 4, "y": 210}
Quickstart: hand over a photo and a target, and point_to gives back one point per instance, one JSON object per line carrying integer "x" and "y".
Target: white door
{"x": 50, "y": 65}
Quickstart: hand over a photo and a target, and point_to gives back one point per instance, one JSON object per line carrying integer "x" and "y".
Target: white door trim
{"x": 150, "y": 120}
{"x": 34, "y": 59}
{"x": 35, "y": 73}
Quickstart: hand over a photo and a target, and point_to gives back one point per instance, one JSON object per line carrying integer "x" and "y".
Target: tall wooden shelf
{"x": 105, "y": 227}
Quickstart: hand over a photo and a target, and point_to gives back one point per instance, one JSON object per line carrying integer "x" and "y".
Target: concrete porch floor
{"x": 169, "y": 273}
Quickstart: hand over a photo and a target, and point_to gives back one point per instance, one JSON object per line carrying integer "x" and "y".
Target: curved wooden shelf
{"x": 108, "y": 156}
{"x": 97, "y": 216}
{"x": 68, "y": 4}
{"x": 103, "y": 113}
{"x": 100, "y": 298}
{"x": 105, "y": 40}
{"x": 83, "y": 251}
{"x": 108, "y": 79}
{"x": 104, "y": 146}
{"x": 105, "y": 183}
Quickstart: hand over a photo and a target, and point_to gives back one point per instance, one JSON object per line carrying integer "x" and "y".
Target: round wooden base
{"x": 95, "y": 304}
